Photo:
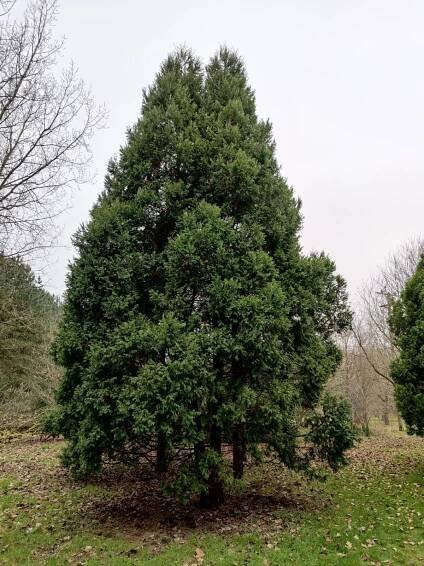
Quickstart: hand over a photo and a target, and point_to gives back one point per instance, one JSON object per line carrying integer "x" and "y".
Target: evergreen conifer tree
{"x": 192, "y": 317}
{"x": 407, "y": 324}
{"x": 28, "y": 319}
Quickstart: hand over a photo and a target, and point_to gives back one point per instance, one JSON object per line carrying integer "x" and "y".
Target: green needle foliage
{"x": 192, "y": 317}
{"x": 28, "y": 320}
{"x": 407, "y": 324}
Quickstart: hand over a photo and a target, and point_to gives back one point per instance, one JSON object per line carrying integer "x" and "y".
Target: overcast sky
{"x": 341, "y": 81}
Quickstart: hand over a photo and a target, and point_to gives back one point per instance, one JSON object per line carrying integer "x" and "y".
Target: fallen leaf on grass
{"x": 199, "y": 554}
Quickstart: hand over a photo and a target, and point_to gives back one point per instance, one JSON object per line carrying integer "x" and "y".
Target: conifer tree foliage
{"x": 28, "y": 320}
{"x": 407, "y": 324}
{"x": 192, "y": 317}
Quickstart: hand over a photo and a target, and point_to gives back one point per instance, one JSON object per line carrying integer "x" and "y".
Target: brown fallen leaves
{"x": 131, "y": 503}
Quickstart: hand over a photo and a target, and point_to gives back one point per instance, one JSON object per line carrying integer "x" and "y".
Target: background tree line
{"x": 370, "y": 345}
{"x": 28, "y": 322}
{"x": 47, "y": 117}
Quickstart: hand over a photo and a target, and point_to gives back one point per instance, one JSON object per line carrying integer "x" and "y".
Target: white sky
{"x": 341, "y": 81}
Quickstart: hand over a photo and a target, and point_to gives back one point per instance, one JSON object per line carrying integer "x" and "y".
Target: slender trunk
{"x": 239, "y": 452}
{"x": 366, "y": 425}
{"x": 161, "y": 454}
{"x": 216, "y": 439}
{"x": 386, "y": 419}
{"x": 199, "y": 451}
{"x": 400, "y": 423}
{"x": 215, "y": 492}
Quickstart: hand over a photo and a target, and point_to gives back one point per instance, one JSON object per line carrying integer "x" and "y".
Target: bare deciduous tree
{"x": 368, "y": 394}
{"x": 46, "y": 121}
{"x": 6, "y": 6}
{"x": 370, "y": 326}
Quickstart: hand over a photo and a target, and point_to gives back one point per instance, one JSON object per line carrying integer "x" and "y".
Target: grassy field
{"x": 371, "y": 512}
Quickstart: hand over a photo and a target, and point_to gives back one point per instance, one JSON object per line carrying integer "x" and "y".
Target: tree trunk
{"x": 239, "y": 452}
{"x": 400, "y": 423}
{"x": 386, "y": 419}
{"x": 161, "y": 454}
{"x": 366, "y": 425}
{"x": 215, "y": 492}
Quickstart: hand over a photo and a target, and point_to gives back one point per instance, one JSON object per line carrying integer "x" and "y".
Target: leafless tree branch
{"x": 359, "y": 338}
{"x": 6, "y": 6}
{"x": 46, "y": 123}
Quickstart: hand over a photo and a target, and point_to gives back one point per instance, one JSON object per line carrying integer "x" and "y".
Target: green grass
{"x": 371, "y": 512}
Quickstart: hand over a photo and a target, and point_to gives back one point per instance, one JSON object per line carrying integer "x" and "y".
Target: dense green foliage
{"x": 192, "y": 317}
{"x": 28, "y": 318}
{"x": 407, "y": 324}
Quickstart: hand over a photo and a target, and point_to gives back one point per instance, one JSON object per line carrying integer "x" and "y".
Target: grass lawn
{"x": 371, "y": 512}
